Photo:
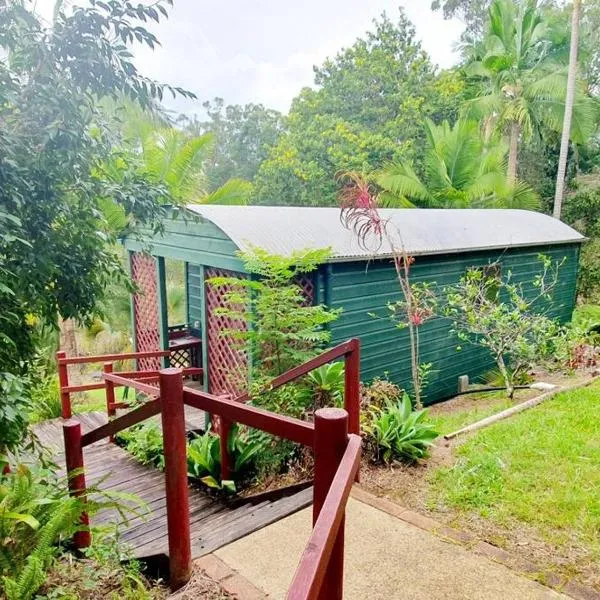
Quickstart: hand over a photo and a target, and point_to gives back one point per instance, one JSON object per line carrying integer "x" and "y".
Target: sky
{"x": 263, "y": 51}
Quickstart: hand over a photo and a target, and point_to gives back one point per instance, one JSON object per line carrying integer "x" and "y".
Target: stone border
{"x": 230, "y": 580}
{"x": 515, "y": 563}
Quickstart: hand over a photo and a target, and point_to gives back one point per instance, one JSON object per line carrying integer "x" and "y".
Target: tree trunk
{"x": 68, "y": 339}
{"x": 569, "y": 100}
{"x": 513, "y": 151}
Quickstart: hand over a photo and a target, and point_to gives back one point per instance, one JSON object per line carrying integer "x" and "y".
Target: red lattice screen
{"x": 308, "y": 289}
{"x": 227, "y": 361}
{"x": 145, "y": 308}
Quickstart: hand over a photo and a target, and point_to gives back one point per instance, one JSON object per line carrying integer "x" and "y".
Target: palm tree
{"x": 566, "y": 131}
{"x": 164, "y": 155}
{"x": 172, "y": 157}
{"x": 461, "y": 170}
{"x": 524, "y": 79}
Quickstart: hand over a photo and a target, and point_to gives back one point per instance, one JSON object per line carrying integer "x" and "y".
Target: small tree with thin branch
{"x": 360, "y": 214}
{"x": 505, "y": 317}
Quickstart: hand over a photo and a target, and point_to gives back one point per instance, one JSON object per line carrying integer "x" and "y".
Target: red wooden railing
{"x": 337, "y": 458}
{"x": 66, "y": 389}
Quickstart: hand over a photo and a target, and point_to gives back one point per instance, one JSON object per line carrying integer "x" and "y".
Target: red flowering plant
{"x": 359, "y": 202}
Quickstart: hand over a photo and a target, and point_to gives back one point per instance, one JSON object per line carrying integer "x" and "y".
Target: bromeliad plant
{"x": 396, "y": 432}
{"x": 204, "y": 458}
{"x": 325, "y": 386}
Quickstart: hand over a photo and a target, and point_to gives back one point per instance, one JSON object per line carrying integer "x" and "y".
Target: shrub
{"x": 380, "y": 391}
{"x": 45, "y": 399}
{"x": 145, "y": 443}
{"x": 395, "y": 431}
{"x": 505, "y": 318}
{"x": 282, "y": 330}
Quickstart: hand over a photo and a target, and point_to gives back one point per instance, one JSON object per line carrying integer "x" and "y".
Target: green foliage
{"x": 326, "y": 386}
{"x": 368, "y": 109}
{"x": 173, "y": 158}
{"x": 54, "y": 141}
{"x": 204, "y": 458}
{"x": 510, "y": 323}
{"x": 145, "y": 443}
{"x": 395, "y": 431}
{"x": 582, "y": 211}
{"x": 35, "y": 514}
{"x": 45, "y": 399}
{"x": 520, "y": 70}
{"x": 14, "y": 408}
{"x": 461, "y": 170}
{"x": 282, "y": 330}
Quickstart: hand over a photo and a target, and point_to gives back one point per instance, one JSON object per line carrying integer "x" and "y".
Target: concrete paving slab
{"x": 386, "y": 559}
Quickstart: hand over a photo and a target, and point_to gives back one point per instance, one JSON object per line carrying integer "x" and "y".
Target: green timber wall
{"x": 192, "y": 240}
{"x": 361, "y": 288}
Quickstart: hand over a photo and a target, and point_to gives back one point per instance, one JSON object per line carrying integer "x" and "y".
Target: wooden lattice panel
{"x": 145, "y": 308}
{"x": 227, "y": 359}
{"x": 308, "y": 289}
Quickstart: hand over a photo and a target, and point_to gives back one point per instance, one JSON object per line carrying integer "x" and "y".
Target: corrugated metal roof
{"x": 281, "y": 230}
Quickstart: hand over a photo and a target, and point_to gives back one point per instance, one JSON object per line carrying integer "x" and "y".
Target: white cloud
{"x": 264, "y": 50}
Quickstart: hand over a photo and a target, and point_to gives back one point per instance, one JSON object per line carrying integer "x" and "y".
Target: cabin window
{"x": 492, "y": 276}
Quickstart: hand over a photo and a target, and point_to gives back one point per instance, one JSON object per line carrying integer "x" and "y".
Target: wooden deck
{"x": 214, "y": 523}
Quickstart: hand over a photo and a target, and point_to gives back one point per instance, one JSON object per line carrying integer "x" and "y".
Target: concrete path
{"x": 386, "y": 559}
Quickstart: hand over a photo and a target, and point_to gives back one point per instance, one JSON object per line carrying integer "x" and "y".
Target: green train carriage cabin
{"x": 445, "y": 243}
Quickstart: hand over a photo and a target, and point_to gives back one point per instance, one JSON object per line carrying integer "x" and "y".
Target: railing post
{"x": 352, "y": 387}
{"x": 331, "y": 439}
{"x": 109, "y": 387}
{"x": 176, "y": 482}
{"x": 76, "y": 483}
{"x": 63, "y": 382}
{"x": 224, "y": 431}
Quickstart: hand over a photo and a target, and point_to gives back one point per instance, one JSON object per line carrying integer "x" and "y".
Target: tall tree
{"x": 523, "y": 79}
{"x": 368, "y": 108}
{"x": 243, "y": 136}
{"x": 54, "y": 259}
{"x": 461, "y": 171}
{"x": 569, "y": 100}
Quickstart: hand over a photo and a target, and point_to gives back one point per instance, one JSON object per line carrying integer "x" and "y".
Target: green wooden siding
{"x": 361, "y": 289}
{"x": 192, "y": 240}
{"x": 194, "y": 298}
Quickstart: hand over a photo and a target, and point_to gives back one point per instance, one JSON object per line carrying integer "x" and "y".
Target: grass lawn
{"x": 540, "y": 469}
{"x": 95, "y": 400}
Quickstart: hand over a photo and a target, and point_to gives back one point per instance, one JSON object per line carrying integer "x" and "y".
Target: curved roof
{"x": 281, "y": 230}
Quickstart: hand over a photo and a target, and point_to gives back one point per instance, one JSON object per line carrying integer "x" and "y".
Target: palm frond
{"x": 235, "y": 192}
{"x": 401, "y": 181}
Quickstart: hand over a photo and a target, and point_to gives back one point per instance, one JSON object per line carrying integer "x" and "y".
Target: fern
{"x": 35, "y": 514}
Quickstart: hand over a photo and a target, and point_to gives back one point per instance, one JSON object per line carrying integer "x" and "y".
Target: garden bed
{"x": 529, "y": 484}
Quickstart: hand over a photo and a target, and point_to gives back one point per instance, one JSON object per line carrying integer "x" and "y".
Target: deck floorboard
{"x": 214, "y": 522}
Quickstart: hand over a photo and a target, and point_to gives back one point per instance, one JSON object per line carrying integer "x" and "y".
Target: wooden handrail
{"x": 101, "y": 358}
{"x": 132, "y": 383}
{"x": 314, "y": 561}
{"x": 337, "y": 460}
{"x": 304, "y": 369}
{"x": 187, "y": 372}
{"x": 145, "y": 411}
{"x": 292, "y": 429}
{"x": 350, "y": 350}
